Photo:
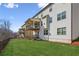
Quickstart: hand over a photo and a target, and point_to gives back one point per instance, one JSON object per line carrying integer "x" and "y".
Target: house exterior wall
{"x": 75, "y": 20}
{"x": 58, "y": 8}
{"x": 44, "y": 13}
{"x": 52, "y": 27}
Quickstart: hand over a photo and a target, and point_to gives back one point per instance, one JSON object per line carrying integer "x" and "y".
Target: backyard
{"x": 24, "y": 47}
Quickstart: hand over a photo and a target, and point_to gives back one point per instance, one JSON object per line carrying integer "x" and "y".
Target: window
{"x": 45, "y": 31}
{"x": 50, "y": 9}
{"x": 64, "y": 15}
{"x": 61, "y": 31}
{"x": 36, "y": 25}
{"x": 50, "y": 19}
{"x": 44, "y": 16}
{"x": 61, "y": 16}
{"x": 64, "y": 31}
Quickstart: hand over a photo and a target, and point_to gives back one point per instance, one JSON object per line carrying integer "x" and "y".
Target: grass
{"x": 22, "y": 47}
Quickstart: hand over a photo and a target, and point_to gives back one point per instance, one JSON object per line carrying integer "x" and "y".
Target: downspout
{"x": 71, "y": 21}
{"x": 39, "y": 26}
{"x": 48, "y": 25}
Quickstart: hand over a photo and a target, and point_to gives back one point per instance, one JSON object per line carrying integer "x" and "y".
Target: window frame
{"x": 61, "y": 16}
{"x": 46, "y": 31}
{"x": 58, "y": 16}
{"x": 61, "y": 31}
{"x": 50, "y": 9}
{"x": 64, "y": 15}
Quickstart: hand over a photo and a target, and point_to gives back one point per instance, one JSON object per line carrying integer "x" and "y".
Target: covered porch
{"x": 32, "y": 28}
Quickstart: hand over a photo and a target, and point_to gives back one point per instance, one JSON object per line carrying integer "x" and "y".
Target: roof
{"x": 42, "y": 9}
{"x": 23, "y": 25}
{"x": 32, "y": 19}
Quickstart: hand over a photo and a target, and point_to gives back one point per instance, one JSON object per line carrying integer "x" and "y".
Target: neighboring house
{"x": 59, "y": 22}
{"x": 22, "y": 31}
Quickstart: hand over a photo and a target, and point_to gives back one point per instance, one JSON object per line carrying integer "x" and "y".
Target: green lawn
{"x": 38, "y": 48}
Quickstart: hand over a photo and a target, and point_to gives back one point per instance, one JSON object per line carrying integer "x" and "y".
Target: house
{"x": 59, "y": 22}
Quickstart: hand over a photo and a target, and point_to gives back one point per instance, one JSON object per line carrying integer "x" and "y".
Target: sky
{"x": 18, "y": 13}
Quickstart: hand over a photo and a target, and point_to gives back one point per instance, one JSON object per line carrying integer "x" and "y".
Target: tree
{"x": 5, "y": 31}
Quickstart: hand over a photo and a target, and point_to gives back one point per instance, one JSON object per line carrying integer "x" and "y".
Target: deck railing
{"x": 33, "y": 27}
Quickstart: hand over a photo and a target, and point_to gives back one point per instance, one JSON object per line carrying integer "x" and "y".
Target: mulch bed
{"x": 75, "y": 43}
